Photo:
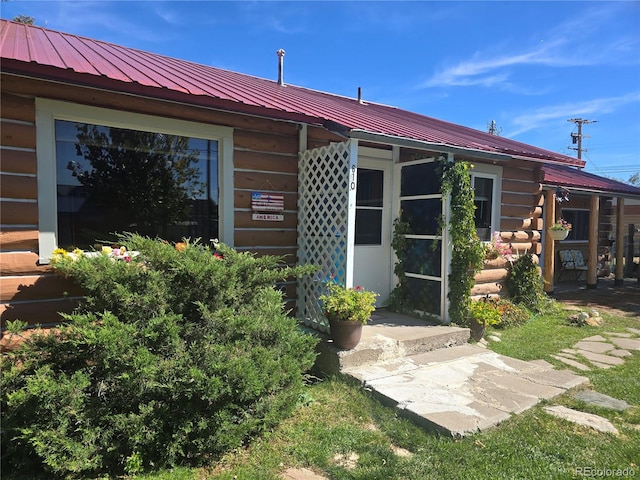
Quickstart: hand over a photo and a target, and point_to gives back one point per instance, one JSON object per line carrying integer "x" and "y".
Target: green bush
{"x": 525, "y": 284}
{"x": 511, "y": 315}
{"x": 174, "y": 358}
{"x": 484, "y": 312}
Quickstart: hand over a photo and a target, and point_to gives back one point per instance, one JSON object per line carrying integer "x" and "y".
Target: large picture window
{"x": 121, "y": 180}
{"x": 103, "y": 171}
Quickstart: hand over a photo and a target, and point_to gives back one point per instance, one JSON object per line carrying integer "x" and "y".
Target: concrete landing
{"x": 387, "y": 336}
{"x": 463, "y": 389}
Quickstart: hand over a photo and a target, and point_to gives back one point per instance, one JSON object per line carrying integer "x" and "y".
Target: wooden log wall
{"x": 28, "y": 292}
{"x": 520, "y": 224}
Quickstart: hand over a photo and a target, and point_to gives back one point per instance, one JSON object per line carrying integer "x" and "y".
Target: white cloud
{"x": 543, "y": 116}
{"x": 575, "y": 42}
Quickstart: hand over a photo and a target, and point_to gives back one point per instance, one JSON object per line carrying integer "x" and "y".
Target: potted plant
{"x": 348, "y": 310}
{"x": 559, "y": 230}
{"x": 481, "y": 314}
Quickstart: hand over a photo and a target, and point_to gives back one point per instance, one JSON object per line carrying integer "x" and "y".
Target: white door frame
{"x": 369, "y": 258}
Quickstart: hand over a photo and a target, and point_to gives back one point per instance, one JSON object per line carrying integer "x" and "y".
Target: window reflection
{"x": 115, "y": 180}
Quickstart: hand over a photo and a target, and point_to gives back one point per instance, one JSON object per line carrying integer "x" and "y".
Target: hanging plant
{"x": 467, "y": 253}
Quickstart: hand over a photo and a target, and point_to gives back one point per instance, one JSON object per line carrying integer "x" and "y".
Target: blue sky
{"x": 530, "y": 66}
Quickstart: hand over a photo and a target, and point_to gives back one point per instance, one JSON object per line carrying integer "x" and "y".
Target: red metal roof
{"x": 565, "y": 176}
{"x": 36, "y": 51}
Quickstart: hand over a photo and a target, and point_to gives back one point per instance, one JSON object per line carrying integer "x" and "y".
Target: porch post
{"x": 549, "y": 243}
{"x": 592, "y": 265}
{"x": 351, "y": 212}
{"x": 619, "y": 242}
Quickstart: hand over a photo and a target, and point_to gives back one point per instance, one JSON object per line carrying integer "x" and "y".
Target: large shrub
{"x": 174, "y": 358}
{"x": 525, "y": 284}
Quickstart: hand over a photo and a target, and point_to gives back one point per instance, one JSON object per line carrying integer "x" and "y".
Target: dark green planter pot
{"x": 345, "y": 334}
{"x": 477, "y": 329}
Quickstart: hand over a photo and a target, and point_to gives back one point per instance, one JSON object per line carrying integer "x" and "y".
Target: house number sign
{"x": 352, "y": 185}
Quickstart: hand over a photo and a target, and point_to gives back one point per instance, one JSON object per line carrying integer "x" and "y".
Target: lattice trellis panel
{"x": 326, "y": 177}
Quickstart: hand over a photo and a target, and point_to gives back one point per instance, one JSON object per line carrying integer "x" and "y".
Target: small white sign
{"x": 268, "y": 217}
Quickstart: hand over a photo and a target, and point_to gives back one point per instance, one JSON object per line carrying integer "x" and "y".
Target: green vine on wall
{"x": 467, "y": 250}
{"x": 399, "y": 298}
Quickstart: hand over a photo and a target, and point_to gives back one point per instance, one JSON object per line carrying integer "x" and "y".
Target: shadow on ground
{"x": 621, "y": 300}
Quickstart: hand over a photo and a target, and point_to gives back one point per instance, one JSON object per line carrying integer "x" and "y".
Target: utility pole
{"x": 576, "y": 138}
{"x": 493, "y": 129}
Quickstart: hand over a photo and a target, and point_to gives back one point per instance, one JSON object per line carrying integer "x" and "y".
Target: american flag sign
{"x": 267, "y": 202}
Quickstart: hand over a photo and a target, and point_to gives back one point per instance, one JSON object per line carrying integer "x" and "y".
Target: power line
{"x": 576, "y": 138}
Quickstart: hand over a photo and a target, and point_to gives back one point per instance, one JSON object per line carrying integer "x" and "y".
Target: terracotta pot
{"x": 345, "y": 334}
{"x": 558, "y": 234}
{"x": 477, "y": 329}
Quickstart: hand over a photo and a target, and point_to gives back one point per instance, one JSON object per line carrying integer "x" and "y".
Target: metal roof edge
{"x": 220, "y": 105}
{"x": 611, "y": 193}
{"x": 413, "y": 143}
{"x": 579, "y": 163}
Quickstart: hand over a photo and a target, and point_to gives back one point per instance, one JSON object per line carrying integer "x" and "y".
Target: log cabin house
{"x": 272, "y": 169}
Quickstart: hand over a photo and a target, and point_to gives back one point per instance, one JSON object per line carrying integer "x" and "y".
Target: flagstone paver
{"x": 596, "y": 422}
{"x": 594, "y": 338}
{"x": 568, "y": 355}
{"x": 627, "y": 343}
{"x": 572, "y": 363}
{"x": 619, "y": 353}
{"x": 600, "y": 358}
{"x": 595, "y": 347}
{"x": 634, "y": 330}
{"x": 601, "y": 400}
{"x": 616, "y": 334}
{"x": 301, "y": 474}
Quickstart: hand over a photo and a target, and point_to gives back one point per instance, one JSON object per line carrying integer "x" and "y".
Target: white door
{"x": 372, "y": 264}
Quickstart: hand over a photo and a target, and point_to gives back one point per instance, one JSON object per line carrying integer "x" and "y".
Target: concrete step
{"x": 388, "y": 336}
{"x": 462, "y": 389}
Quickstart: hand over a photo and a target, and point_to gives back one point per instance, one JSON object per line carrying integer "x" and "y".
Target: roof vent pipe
{"x": 360, "y": 95}
{"x": 280, "y": 54}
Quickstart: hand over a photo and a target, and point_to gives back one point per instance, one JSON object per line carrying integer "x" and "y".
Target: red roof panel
{"x": 30, "y": 49}
{"x": 564, "y": 176}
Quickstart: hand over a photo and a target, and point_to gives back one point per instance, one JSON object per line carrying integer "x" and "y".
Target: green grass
{"x": 337, "y": 418}
{"x": 548, "y": 334}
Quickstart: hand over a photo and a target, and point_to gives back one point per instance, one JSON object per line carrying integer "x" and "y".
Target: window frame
{"x": 48, "y": 111}
{"x": 375, "y": 208}
{"x": 492, "y": 172}
{"x": 588, "y": 219}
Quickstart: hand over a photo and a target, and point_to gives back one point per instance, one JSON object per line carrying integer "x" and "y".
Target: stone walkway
{"x": 489, "y": 384}
{"x": 598, "y": 351}
{"x": 601, "y": 351}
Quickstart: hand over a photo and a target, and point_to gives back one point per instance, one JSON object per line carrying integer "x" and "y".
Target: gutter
{"x": 421, "y": 144}
{"x": 591, "y": 191}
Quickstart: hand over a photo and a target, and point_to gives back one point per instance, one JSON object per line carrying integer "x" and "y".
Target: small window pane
{"x": 368, "y": 227}
{"x": 422, "y": 215}
{"x": 579, "y": 220}
{"x": 370, "y": 185}
{"x": 425, "y": 294}
{"x": 483, "y": 200}
{"x": 422, "y": 258}
{"x": 420, "y": 179}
